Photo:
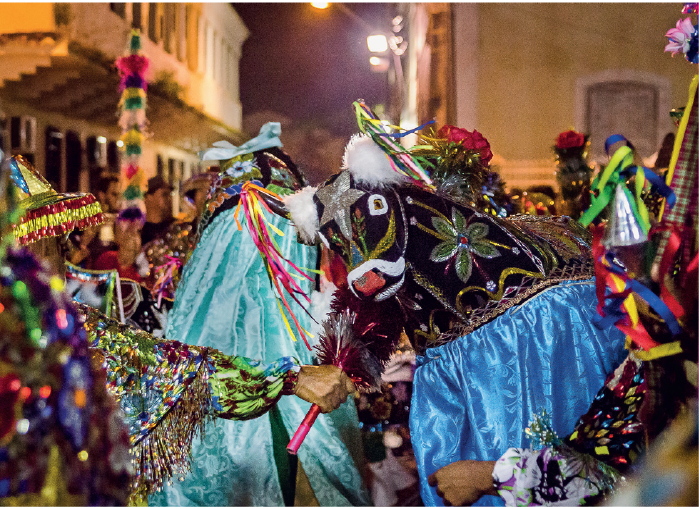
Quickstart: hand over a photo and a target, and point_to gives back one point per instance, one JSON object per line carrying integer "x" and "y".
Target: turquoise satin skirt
{"x": 473, "y": 397}
{"x": 225, "y": 301}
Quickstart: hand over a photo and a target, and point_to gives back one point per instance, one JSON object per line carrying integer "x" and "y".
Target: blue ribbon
{"x": 223, "y": 150}
{"x": 656, "y": 182}
{"x": 613, "y": 312}
{"x": 405, "y": 133}
{"x": 615, "y": 138}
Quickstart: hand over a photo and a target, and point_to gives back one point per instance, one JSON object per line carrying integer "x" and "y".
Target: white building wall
{"x": 221, "y": 36}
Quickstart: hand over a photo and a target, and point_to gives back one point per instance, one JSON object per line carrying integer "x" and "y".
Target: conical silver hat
{"x": 623, "y": 228}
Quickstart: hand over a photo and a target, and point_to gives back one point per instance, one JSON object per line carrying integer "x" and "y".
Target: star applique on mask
{"x": 337, "y": 198}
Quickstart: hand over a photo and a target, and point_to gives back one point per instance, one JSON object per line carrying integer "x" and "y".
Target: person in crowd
{"x": 158, "y": 199}
{"x": 108, "y": 193}
{"x": 85, "y": 246}
{"x": 195, "y": 190}
{"x": 126, "y": 259}
{"x": 225, "y": 301}
{"x": 63, "y": 437}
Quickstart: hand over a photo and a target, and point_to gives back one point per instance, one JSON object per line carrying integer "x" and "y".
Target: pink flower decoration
{"x": 131, "y": 170}
{"x": 132, "y": 64}
{"x": 680, "y": 36}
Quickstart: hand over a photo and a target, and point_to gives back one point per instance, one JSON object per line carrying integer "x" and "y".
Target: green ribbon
{"x": 606, "y": 184}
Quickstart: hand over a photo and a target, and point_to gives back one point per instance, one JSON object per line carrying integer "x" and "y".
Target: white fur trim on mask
{"x": 368, "y": 163}
{"x": 303, "y": 213}
{"x": 320, "y": 308}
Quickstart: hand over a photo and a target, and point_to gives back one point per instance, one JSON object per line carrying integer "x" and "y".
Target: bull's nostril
{"x": 370, "y": 282}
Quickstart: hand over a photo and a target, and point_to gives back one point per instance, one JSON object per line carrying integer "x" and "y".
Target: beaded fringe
{"x": 166, "y": 451}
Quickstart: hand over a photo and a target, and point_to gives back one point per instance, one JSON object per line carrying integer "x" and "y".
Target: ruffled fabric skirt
{"x": 225, "y": 301}
{"x": 473, "y": 397}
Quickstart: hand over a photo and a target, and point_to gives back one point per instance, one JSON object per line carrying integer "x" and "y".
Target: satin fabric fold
{"x": 473, "y": 397}
{"x": 225, "y": 301}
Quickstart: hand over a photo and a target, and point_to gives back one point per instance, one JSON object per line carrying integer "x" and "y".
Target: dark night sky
{"x": 309, "y": 64}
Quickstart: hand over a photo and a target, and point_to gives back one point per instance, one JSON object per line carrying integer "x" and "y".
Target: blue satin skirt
{"x": 473, "y": 397}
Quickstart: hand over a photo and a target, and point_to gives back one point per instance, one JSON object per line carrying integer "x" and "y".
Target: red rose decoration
{"x": 570, "y": 139}
{"x": 470, "y": 140}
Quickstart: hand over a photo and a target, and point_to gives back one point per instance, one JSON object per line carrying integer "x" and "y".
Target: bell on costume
{"x": 623, "y": 229}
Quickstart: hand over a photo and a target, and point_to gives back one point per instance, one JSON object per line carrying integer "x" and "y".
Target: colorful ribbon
{"x": 619, "y": 169}
{"x": 619, "y": 308}
{"x": 401, "y": 161}
{"x": 280, "y": 277}
{"x": 166, "y": 273}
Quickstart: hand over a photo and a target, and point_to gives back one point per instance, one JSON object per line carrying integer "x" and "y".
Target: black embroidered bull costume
{"x": 407, "y": 257}
{"x": 450, "y": 267}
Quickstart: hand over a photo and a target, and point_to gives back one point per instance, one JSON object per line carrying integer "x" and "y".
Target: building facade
{"x": 59, "y": 87}
{"x": 522, "y": 73}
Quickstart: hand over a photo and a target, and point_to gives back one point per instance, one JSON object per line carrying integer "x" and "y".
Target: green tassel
{"x": 135, "y": 43}
{"x": 133, "y": 103}
{"x": 132, "y": 192}
{"x": 133, "y": 150}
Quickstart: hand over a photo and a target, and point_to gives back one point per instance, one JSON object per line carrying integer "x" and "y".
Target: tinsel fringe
{"x": 166, "y": 451}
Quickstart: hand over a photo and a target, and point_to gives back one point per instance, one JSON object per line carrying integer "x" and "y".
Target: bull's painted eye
{"x": 377, "y": 205}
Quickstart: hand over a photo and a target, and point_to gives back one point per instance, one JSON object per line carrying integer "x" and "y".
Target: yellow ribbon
{"x": 679, "y": 139}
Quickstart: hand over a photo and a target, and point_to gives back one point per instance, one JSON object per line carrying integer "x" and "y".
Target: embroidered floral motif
{"x": 240, "y": 168}
{"x": 461, "y": 241}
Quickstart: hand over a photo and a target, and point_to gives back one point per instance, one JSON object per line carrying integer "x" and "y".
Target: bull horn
{"x": 276, "y": 205}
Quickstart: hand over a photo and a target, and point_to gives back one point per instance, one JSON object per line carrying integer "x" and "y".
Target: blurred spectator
{"x": 158, "y": 199}
{"x": 127, "y": 259}
{"x": 108, "y": 192}
{"x": 86, "y": 246}
{"x": 665, "y": 153}
{"x": 195, "y": 191}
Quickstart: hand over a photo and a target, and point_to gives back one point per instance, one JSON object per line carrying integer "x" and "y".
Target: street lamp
{"x": 377, "y": 43}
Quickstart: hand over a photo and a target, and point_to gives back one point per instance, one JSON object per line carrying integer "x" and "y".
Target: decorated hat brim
{"x": 52, "y": 214}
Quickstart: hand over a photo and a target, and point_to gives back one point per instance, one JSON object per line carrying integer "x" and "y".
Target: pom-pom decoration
{"x": 339, "y": 347}
{"x": 132, "y": 115}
